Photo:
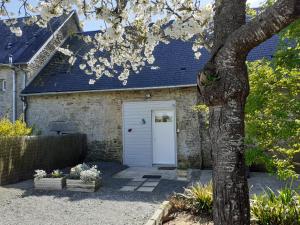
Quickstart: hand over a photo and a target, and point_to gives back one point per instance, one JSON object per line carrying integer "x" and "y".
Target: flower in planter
{"x": 39, "y": 174}
{"x": 57, "y": 174}
{"x": 88, "y": 176}
{"x": 76, "y": 170}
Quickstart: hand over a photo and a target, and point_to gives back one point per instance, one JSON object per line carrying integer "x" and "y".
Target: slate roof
{"x": 176, "y": 62}
{"x": 24, "y": 47}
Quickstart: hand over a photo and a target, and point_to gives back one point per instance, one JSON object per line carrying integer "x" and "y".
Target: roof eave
{"x": 109, "y": 90}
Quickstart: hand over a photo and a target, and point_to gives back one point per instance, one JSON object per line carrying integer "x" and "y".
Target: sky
{"x": 91, "y": 25}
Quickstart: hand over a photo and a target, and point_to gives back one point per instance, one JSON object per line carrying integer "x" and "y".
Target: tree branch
{"x": 261, "y": 28}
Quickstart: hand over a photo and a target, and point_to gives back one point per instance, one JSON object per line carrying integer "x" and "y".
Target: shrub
{"x": 90, "y": 175}
{"x": 57, "y": 174}
{"x": 10, "y": 129}
{"x": 280, "y": 209}
{"x": 39, "y": 174}
{"x": 198, "y": 198}
{"x": 85, "y": 173}
{"x": 76, "y": 170}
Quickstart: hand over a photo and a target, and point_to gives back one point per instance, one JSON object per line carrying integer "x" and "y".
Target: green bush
{"x": 280, "y": 209}
{"x": 10, "y": 129}
{"x": 198, "y": 198}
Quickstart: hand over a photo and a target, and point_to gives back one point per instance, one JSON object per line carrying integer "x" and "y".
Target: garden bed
{"x": 182, "y": 218}
{"x": 50, "y": 183}
{"x": 79, "y": 185}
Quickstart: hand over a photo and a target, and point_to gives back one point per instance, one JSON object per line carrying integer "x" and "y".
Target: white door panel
{"x": 163, "y": 131}
{"x": 137, "y": 131}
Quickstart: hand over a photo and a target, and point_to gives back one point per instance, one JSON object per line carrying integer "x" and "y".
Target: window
{"x": 163, "y": 118}
{"x": 3, "y": 85}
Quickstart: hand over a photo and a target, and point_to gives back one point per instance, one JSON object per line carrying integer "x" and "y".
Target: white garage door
{"x": 137, "y": 132}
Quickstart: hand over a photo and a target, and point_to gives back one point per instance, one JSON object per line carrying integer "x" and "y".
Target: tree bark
{"x": 224, "y": 87}
{"x": 231, "y": 194}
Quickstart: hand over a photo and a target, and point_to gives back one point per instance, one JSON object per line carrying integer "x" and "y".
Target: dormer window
{"x": 3, "y": 85}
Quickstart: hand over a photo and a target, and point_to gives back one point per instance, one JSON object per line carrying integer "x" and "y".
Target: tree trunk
{"x": 231, "y": 198}
{"x": 223, "y": 86}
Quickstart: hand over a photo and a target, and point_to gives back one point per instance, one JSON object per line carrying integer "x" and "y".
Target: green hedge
{"x": 20, "y": 156}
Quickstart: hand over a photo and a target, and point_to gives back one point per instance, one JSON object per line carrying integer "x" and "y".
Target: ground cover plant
{"x": 10, "y": 129}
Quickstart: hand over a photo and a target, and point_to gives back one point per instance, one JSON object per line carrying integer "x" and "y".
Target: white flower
{"x": 65, "y": 51}
{"x": 90, "y": 175}
{"x": 39, "y": 174}
{"x": 76, "y": 170}
{"x": 16, "y": 30}
{"x": 82, "y": 66}
{"x": 92, "y": 81}
{"x": 197, "y": 55}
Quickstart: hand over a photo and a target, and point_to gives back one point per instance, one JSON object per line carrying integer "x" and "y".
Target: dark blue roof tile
{"x": 176, "y": 62}
{"x": 24, "y": 47}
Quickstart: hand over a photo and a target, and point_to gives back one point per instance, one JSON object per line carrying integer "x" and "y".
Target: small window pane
{"x": 163, "y": 118}
{"x": 2, "y": 85}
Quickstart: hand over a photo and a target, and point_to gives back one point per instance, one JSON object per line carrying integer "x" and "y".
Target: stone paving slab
{"x": 145, "y": 189}
{"x": 150, "y": 184}
{"x": 139, "y": 179}
{"x": 153, "y": 180}
{"x": 134, "y": 183}
{"x": 128, "y": 188}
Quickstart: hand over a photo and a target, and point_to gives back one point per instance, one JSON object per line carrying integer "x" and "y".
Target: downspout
{"x": 24, "y": 99}
{"x": 14, "y": 89}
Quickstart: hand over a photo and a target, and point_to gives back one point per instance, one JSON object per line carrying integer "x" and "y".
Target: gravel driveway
{"x": 21, "y": 204}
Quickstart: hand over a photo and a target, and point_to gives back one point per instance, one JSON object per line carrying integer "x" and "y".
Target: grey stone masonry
{"x": 99, "y": 115}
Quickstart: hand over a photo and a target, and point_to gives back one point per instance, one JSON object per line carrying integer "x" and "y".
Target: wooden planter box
{"x": 50, "y": 183}
{"x": 79, "y": 185}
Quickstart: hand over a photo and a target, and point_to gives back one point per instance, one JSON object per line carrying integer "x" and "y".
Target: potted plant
{"x": 84, "y": 178}
{"x": 54, "y": 181}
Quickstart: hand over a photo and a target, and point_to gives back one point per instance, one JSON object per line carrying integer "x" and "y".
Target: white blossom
{"x": 39, "y": 174}
{"x": 90, "y": 175}
{"x": 130, "y": 35}
{"x": 16, "y": 30}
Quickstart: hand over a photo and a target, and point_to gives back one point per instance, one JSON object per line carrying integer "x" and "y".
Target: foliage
{"x": 276, "y": 209}
{"x": 90, "y": 175}
{"x": 57, "y": 174}
{"x": 272, "y": 117}
{"x": 288, "y": 52}
{"x": 76, "y": 170}
{"x": 85, "y": 173}
{"x": 198, "y": 198}
{"x": 273, "y": 107}
{"x": 201, "y": 108}
{"x": 10, "y": 129}
{"x": 39, "y": 174}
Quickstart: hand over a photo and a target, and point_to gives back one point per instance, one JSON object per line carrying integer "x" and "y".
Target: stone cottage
{"x": 149, "y": 121}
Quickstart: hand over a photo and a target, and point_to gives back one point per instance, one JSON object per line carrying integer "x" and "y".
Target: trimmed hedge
{"x": 20, "y": 156}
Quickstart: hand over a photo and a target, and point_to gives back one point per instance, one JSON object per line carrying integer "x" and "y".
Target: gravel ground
{"x": 21, "y": 204}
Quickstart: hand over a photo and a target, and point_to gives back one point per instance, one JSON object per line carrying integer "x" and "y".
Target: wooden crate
{"x": 79, "y": 185}
{"x": 50, "y": 183}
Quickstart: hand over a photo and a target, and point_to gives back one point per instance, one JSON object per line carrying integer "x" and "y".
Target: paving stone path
{"x": 141, "y": 184}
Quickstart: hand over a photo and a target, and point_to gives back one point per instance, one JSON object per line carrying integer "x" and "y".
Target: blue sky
{"x": 92, "y": 24}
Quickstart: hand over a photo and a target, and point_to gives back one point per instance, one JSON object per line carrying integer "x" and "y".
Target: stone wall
{"x": 20, "y": 156}
{"x": 99, "y": 115}
{"x": 6, "y": 97}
